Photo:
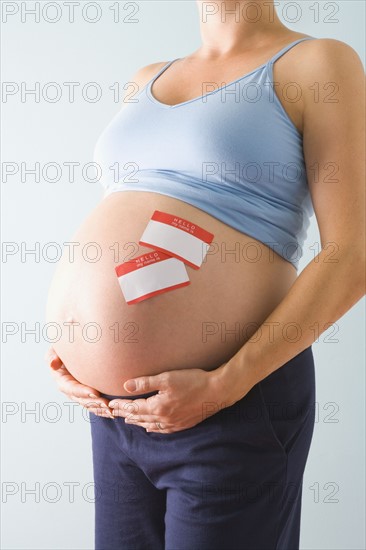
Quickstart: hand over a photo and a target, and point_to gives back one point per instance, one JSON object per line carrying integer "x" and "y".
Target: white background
{"x": 55, "y": 454}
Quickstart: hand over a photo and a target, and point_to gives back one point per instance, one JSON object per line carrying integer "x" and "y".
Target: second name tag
{"x": 149, "y": 275}
{"x": 178, "y": 237}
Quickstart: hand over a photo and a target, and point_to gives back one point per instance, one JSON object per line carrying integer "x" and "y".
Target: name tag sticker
{"x": 177, "y": 237}
{"x": 149, "y": 275}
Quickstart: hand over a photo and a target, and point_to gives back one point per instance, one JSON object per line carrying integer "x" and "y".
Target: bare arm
{"x": 334, "y": 132}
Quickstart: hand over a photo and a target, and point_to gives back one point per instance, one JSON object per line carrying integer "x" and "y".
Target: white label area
{"x": 176, "y": 242}
{"x": 153, "y": 279}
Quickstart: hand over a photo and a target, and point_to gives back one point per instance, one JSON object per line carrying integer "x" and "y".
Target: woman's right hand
{"x": 84, "y": 395}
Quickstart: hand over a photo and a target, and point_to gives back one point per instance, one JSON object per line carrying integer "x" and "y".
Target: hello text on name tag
{"x": 177, "y": 237}
{"x": 150, "y": 274}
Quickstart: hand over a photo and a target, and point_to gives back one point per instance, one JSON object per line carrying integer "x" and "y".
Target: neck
{"x": 229, "y": 28}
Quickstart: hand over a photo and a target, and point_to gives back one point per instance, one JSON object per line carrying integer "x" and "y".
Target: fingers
{"x": 88, "y": 402}
{"x": 99, "y": 412}
{"x": 152, "y": 427}
{"x": 85, "y": 396}
{"x": 64, "y": 379}
{"x": 67, "y": 384}
{"x": 146, "y": 384}
{"x": 97, "y": 407}
{"x": 52, "y": 359}
{"x": 143, "y": 406}
{"x": 70, "y": 386}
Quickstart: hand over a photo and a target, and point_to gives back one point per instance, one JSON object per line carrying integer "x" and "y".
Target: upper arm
{"x": 334, "y": 142}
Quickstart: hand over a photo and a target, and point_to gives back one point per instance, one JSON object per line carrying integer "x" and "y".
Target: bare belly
{"x": 103, "y": 341}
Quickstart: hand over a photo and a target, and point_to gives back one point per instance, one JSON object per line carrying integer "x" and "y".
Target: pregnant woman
{"x": 201, "y": 397}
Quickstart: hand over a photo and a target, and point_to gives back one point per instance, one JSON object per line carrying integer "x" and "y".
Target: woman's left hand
{"x": 186, "y": 397}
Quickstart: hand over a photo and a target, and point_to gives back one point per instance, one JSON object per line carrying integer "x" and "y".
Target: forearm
{"x": 321, "y": 294}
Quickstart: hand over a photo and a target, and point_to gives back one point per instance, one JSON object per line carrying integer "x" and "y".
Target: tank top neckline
{"x": 201, "y": 97}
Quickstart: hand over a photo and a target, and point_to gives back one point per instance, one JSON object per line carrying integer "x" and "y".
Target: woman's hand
{"x": 84, "y": 395}
{"x": 186, "y": 397}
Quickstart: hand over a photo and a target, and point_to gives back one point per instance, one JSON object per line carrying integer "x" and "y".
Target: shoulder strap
{"x": 289, "y": 46}
{"x": 152, "y": 80}
{"x": 164, "y": 67}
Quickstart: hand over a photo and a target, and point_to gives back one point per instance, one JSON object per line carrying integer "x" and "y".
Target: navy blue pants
{"x": 232, "y": 482}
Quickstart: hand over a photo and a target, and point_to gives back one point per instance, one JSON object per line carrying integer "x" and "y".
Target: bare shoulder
{"x": 326, "y": 59}
{"x": 143, "y": 75}
{"x": 326, "y": 72}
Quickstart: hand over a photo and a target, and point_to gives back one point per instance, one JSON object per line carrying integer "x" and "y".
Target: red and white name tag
{"x": 149, "y": 275}
{"x": 177, "y": 237}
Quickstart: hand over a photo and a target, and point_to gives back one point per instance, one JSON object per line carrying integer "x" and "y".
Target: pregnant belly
{"x": 103, "y": 341}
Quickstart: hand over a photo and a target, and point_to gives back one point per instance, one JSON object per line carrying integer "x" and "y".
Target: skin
{"x": 333, "y": 132}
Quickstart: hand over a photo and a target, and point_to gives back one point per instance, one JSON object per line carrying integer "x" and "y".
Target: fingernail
{"x": 92, "y": 395}
{"x": 130, "y": 385}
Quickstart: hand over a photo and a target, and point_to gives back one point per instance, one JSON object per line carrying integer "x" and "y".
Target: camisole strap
{"x": 269, "y": 64}
{"x": 164, "y": 67}
{"x": 286, "y": 48}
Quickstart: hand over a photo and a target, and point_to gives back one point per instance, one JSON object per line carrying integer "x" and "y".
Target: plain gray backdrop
{"x": 47, "y": 483}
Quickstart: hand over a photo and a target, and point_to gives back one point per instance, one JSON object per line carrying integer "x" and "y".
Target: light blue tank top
{"x": 232, "y": 152}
